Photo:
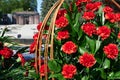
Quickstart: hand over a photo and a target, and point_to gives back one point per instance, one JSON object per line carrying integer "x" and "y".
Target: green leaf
{"x": 66, "y": 6}
{"x": 106, "y": 64}
{"x": 57, "y": 76}
{"x": 91, "y": 44}
{"x": 54, "y": 66}
{"x": 117, "y": 74}
{"x": 103, "y": 73}
{"x": 84, "y": 78}
{"x": 69, "y": 19}
{"x": 98, "y": 44}
{"x": 76, "y": 25}
{"x": 82, "y": 50}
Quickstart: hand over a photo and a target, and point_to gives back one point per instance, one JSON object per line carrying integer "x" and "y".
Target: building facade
{"x": 26, "y": 18}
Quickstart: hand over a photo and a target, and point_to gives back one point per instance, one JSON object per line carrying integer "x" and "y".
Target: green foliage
{"x": 8, "y": 6}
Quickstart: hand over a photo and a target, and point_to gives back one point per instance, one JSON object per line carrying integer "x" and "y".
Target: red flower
{"x": 69, "y": 71}
{"x": 69, "y": 47}
{"x": 42, "y": 69}
{"x": 22, "y": 59}
{"x": 103, "y": 32}
{"x": 118, "y": 35}
{"x": 98, "y": 4}
{"x": 32, "y": 47}
{"x": 35, "y": 37}
{"x": 78, "y": 3}
{"x": 111, "y": 51}
{"x": 63, "y": 35}
{"x": 93, "y": 6}
{"x": 107, "y": 9}
{"x": 117, "y": 16}
{"x": 39, "y": 26}
{"x": 89, "y": 28}
{"x": 61, "y": 13}
{"x": 111, "y": 17}
{"x": 61, "y": 22}
{"x": 6, "y": 52}
{"x": 87, "y": 60}
{"x": 88, "y": 15}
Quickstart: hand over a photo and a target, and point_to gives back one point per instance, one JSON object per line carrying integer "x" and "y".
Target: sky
{"x": 38, "y": 5}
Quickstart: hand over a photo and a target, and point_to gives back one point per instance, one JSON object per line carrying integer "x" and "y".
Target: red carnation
{"x": 118, "y": 35}
{"x": 111, "y": 17}
{"x": 111, "y": 51}
{"x": 42, "y": 69}
{"x": 87, "y": 60}
{"x": 22, "y": 59}
{"x": 88, "y": 15}
{"x": 35, "y": 37}
{"x": 61, "y": 13}
{"x": 98, "y": 4}
{"x": 39, "y": 26}
{"x": 63, "y": 35}
{"x": 89, "y": 28}
{"x": 93, "y": 6}
{"x": 61, "y": 22}
{"x": 103, "y": 32}
{"x": 69, "y": 47}
{"x": 69, "y": 71}
{"x": 32, "y": 47}
{"x": 117, "y": 16}
{"x": 6, "y": 52}
{"x": 107, "y": 9}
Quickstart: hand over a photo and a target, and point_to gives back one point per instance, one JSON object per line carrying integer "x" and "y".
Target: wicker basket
{"x": 49, "y": 39}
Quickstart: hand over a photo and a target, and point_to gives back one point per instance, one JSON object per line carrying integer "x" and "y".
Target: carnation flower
{"x": 111, "y": 17}
{"x": 93, "y": 6}
{"x": 118, "y": 35}
{"x": 35, "y": 37}
{"x": 87, "y": 60}
{"x": 107, "y": 9}
{"x": 39, "y": 26}
{"x": 63, "y": 35}
{"x": 111, "y": 50}
{"x": 103, "y": 32}
{"x": 6, "y": 52}
{"x": 61, "y": 22}
{"x": 61, "y": 13}
{"x": 117, "y": 16}
{"x": 69, "y": 47}
{"x": 89, "y": 28}
{"x": 22, "y": 59}
{"x": 42, "y": 69}
{"x": 88, "y": 15}
{"x": 32, "y": 46}
{"x": 68, "y": 71}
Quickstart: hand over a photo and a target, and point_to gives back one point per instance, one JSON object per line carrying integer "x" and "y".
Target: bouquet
{"x": 86, "y": 42}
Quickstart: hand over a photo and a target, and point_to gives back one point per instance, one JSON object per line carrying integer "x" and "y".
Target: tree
{"x": 46, "y": 5}
{"x": 9, "y": 6}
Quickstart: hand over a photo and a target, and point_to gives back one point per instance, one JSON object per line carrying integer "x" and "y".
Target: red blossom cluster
{"x": 89, "y": 28}
{"x": 111, "y": 51}
{"x": 103, "y": 32}
{"x": 69, "y": 47}
{"x": 110, "y": 15}
{"x": 63, "y": 35}
{"x": 68, "y": 71}
{"x": 6, "y": 52}
{"x": 87, "y": 60}
{"x": 93, "y": 6}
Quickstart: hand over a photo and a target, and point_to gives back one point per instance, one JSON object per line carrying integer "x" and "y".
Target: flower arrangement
{"x": 86, "y": 42}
